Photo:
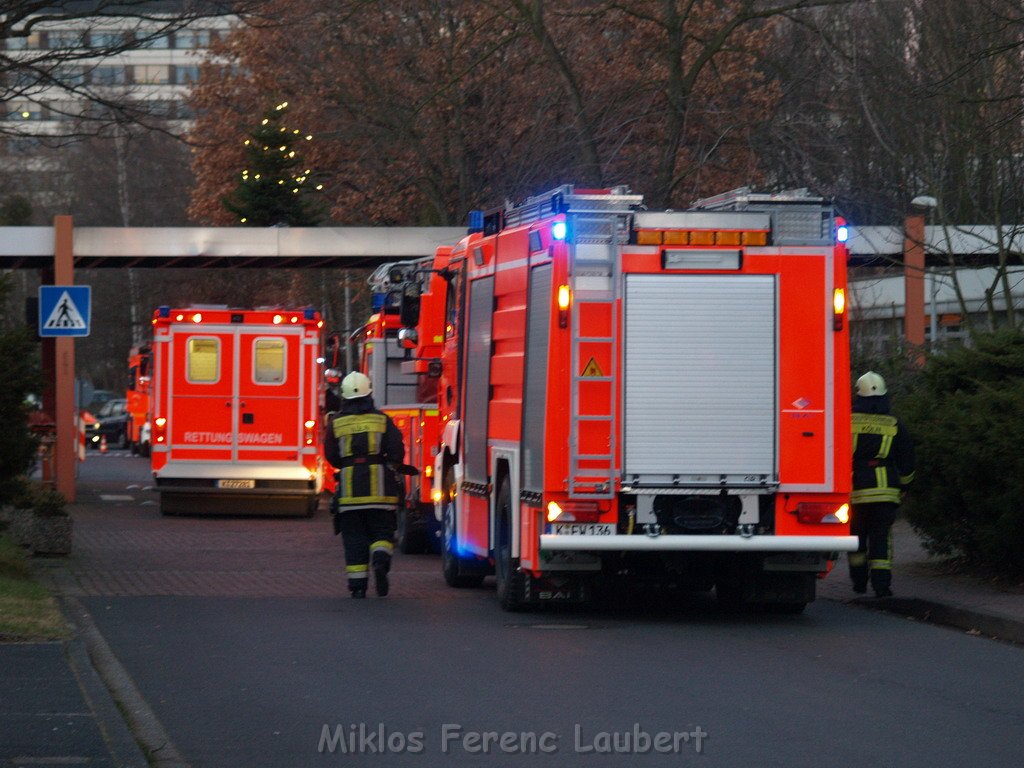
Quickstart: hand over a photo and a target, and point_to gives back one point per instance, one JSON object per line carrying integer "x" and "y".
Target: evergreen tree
{"x": 276, "y": 187}
{"x": 21, "y": 377}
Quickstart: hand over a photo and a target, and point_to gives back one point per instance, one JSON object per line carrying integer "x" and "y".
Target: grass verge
{"x": 27, "y": 611}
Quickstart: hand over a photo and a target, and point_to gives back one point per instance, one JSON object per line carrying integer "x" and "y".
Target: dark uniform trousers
{"x": 366, "y": 535}
{"x": 872, "y": 525}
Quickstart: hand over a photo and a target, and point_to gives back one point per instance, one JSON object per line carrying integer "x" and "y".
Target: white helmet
{"x": 870, "y": 385}
{"x": 355, "y": 385}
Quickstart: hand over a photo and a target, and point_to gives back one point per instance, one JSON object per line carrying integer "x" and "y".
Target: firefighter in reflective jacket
{"x": 883, "y": 464}
{"x": 361, "y": 443}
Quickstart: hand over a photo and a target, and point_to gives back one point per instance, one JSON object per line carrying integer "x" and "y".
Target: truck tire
{"x": 411, "y": 540}
{"x": 312, "y": 505}
{"x": 508, "y": 577}
{"x": 457, "y": 570}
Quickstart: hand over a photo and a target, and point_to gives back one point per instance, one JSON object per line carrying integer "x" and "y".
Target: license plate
{"x": 236, "y": 483}
{"x": 583, "y": 529}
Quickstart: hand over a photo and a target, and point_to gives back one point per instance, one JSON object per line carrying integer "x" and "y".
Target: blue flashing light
{"x": 476, "y": 221}
{"x": 308, "y": 313}
{"x": 842, "y": 233}
{"x": 377, "y": 301}
{"x": 558, "y": 230}
{"x": 163, "y": 311}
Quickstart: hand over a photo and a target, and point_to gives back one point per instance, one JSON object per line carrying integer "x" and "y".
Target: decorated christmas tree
{"x": 276, "y": 187}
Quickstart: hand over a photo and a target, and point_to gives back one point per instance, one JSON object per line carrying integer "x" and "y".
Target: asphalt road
{"x": 433, "y": 676}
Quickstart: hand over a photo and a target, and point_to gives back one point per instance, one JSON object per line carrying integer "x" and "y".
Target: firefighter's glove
{"x": 335, "y": 515}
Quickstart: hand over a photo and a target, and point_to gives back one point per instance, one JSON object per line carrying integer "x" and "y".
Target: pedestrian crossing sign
{"x": 64, "y": 310}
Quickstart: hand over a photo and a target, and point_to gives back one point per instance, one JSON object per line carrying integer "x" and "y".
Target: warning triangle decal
{"x": 592, "y": 369}
{"x": 65, "y": 314}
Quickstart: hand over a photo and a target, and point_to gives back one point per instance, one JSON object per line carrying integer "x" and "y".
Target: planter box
{"x": 41, "y": 535}
{"x": 52, "y": 536}
{"x": 21, "y": 525}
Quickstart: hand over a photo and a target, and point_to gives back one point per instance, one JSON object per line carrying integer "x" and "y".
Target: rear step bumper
{"x": 678, "y": 543}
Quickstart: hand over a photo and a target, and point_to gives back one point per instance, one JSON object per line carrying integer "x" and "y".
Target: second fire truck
{"x": 140, "y": 363}
{"x": 634, "y": 394}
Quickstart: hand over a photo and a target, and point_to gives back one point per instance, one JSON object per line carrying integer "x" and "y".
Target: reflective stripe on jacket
{"x": 883, "y": 458}
{"x": 365, "y": 443}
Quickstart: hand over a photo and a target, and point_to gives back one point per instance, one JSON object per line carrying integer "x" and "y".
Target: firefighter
{"x": 883, "y": 465}
{"x": 362, "y": 443}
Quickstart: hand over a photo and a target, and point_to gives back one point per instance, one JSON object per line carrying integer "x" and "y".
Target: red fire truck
{"x": 236, "y": 411}
{"x": 410, "y": 400}
{"x": 640, "y": 394}
{"x": 140, "y": 362}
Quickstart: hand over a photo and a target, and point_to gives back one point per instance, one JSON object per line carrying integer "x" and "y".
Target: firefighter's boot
{"x": 381, "y": 559}
{"x": 357, "y": 580}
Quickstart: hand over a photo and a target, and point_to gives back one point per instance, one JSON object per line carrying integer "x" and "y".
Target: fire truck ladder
{"x": 591, "y": 475}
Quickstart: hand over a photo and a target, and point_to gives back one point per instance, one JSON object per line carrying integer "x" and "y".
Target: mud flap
{"x": 555, "y": 588}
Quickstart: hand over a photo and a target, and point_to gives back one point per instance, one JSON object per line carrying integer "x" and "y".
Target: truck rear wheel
{"x": 458, "y": 571}
{"x": 508, "y": 578}
{"x": 412, "y": 538}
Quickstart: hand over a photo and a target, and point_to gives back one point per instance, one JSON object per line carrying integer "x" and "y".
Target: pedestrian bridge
{"x": 209, "y": 247}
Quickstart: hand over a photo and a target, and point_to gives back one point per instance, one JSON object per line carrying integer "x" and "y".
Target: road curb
{"x": 976, "y": 622}
{"x": 124, "y": 748}
{"x": 119, "y": 706}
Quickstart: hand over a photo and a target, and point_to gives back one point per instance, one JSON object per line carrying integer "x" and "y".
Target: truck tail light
{"x": 160, "y": 430}
{"x": 310, "y": 426}
{"x": 564, "y": 302}
{"x": 817, "y": 513}
{"x": 573, "y": 511}
{"x": 838, "y": 308}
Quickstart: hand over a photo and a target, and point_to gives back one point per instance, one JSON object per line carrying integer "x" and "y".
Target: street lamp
{"x": 927, "y": 204}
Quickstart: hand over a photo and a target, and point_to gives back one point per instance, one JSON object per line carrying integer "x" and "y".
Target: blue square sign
{"x": 64, "y": 310}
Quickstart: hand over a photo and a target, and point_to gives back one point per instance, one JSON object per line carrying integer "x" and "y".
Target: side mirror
{"x": 408, "y": 338}
{"x": 409, "y": 309}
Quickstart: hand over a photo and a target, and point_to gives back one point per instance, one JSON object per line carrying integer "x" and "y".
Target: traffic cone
{"x": 103, "y": 443}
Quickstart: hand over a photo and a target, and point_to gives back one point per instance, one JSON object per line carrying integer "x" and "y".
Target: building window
{"x": 23, "y": 145}
{"x": 150, "y": 74}
{"x": 154, "y": 41}
{"x": 107, "y": 76}
{"x": 63, "y": 38}
{"x": 70, "y": 76}
{"x": 203, "y": 361}
{"x": 33, "y": 41}
{"x": 192, "y": 38}
{"x": 186, "y": 75}
{"x": 23, "y": 112}
{"x": 65, "y": 110}
{"x": 268, "y": 361}
{"x": 106, "y": 40}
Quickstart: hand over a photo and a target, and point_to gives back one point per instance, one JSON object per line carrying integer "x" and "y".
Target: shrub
{"x": 41, "y": 499}
{"x": 967, "y": 417}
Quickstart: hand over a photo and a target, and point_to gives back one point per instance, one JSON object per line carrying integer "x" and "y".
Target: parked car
{"x": 98, "y": 399}
{"x": 111, "y": 423}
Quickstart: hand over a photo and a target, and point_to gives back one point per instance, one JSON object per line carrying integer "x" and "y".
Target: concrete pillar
{"x": 913, "y": 278}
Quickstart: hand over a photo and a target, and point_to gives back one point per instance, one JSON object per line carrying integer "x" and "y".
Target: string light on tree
{"x": 276, "y": 186}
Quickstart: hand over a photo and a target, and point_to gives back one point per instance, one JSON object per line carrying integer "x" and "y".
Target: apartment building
{"x": 76, "y": 71}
